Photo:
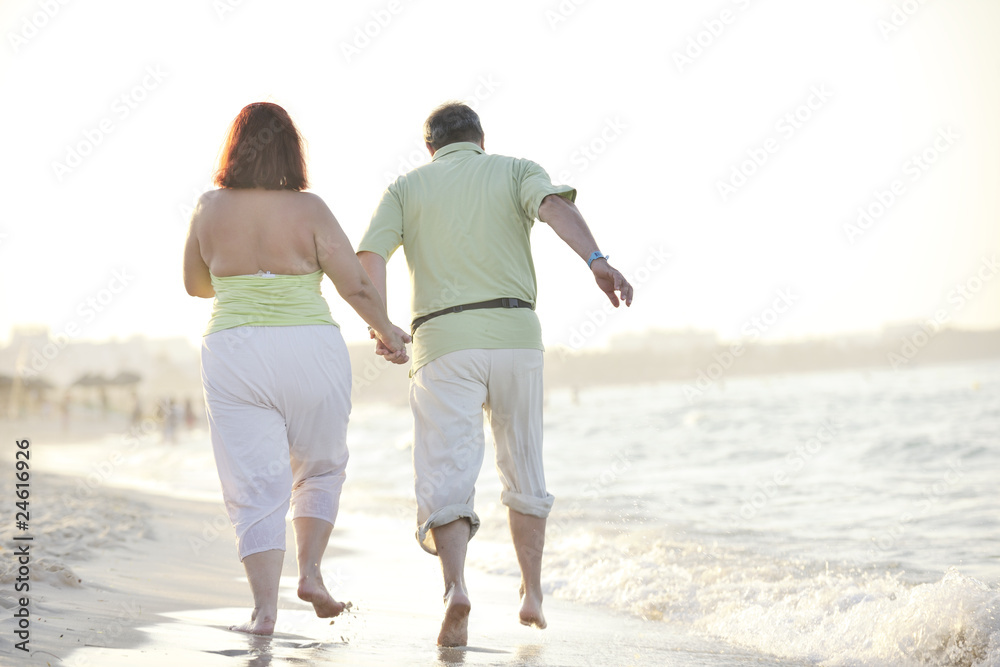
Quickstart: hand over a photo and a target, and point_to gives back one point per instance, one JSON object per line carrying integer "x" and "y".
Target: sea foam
{"x": 826, "y": 613}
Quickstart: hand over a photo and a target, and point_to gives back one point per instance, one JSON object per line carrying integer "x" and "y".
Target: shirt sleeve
{"x": 385, "y": 231}
{"x": 535, "y": 185}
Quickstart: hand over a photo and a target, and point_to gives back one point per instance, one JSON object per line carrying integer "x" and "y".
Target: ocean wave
{"x": 818, "y": 612}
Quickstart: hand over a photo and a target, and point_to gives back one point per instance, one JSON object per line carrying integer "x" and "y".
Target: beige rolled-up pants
{"x": 448, "y": 396}
{"x": 278, "y": 402}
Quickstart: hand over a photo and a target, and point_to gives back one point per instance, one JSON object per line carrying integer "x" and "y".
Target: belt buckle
{"x": 508, "y": 302}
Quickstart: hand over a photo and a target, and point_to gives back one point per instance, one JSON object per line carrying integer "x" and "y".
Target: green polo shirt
{"x": 464, "y": 222}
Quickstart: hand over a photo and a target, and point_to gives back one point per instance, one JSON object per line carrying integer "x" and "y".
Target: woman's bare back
{"x": 244, "y": 231}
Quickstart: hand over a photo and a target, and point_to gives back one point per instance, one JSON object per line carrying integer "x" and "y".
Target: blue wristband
{"x": 596, "y": 255}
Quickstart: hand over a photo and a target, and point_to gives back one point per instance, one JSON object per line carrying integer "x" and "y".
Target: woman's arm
{"x": 374, "y": 266}
{"x": 337, "y": 259}
{"x": 197, "y": 279}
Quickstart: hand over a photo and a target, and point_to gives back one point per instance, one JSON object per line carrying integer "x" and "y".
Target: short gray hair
{"x": 452, "y": 122}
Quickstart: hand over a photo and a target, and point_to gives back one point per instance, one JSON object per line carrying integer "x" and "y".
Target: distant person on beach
{"x": 136, "y": 410}
{"x": 189, "y": 418}
{"x": 275, "y": 369}
{"x": 64, "y": 410}
{"x": 464, "y": 222}
{"x": 169, "y": 409}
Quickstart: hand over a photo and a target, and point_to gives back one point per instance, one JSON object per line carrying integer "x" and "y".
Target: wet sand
{"x": 125, "y": 577}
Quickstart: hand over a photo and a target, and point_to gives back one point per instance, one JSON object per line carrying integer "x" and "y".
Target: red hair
{"x": 263, "y": 150}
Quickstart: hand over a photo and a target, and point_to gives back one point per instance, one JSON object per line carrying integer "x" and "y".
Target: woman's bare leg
{"x": 311, "y": 538}
{"x": 263, "y": 572}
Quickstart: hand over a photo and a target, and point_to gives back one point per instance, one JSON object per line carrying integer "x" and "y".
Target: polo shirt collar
{"x": 457, "y": 146}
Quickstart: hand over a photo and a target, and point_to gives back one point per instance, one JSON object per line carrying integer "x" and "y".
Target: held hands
{"x": 610, "y": 280}
{"x": 391, "y": 345}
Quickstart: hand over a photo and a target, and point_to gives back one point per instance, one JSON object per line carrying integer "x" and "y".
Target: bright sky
{"x": 721, "y": 149}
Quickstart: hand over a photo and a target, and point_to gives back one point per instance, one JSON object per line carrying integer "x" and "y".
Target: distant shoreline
{"x": 167, "y": 371}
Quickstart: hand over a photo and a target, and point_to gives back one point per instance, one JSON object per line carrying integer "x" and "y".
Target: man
{"x": 464, "y": 222}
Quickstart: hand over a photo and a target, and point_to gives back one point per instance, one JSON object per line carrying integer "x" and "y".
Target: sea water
{"x": 842, "y": 518}
{"x": 839, "y": 518}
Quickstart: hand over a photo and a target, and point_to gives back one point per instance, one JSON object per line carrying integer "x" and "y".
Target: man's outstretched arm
{"x": 565, "y": 219}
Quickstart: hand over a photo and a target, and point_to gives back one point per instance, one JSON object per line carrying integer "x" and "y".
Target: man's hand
{"x": 391, "y": 345}
{"x": 610, "y": 280}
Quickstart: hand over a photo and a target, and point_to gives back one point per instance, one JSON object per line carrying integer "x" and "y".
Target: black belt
{"x": 506, "y": 302}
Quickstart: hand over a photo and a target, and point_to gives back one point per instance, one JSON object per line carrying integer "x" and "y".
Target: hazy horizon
{"x": 633, "y": 335}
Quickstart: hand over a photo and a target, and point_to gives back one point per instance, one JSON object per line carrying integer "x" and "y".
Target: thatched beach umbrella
{"x": 125, "y": 379}
{"x": 91, "y": 380}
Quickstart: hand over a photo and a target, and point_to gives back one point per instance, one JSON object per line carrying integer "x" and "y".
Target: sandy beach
{"x": 123, "y": 577}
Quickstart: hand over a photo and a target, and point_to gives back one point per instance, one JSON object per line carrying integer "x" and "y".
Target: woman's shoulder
{"x": 211, "y": 198}
{"x": 222, "y": 196}
{"x": 311, "y": 203}
{"x": 290, "y": 206}
{"x": 307, "y": 198}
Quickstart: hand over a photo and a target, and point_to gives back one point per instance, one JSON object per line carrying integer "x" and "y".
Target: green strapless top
{"x": 268, "y": 300}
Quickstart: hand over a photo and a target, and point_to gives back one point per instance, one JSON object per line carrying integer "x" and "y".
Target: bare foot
{"x": 260, "y": 624}
{"x": 455, "y": 627}
{"x": 312, "y": 590}
{"x": 531, "y": 610}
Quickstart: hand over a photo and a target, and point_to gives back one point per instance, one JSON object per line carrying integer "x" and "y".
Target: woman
{"x": 275, "y": 369}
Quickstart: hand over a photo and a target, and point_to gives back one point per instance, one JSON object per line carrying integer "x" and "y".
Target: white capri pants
{"x": 278, "y": 401}
{"x": 448, "y": 396}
